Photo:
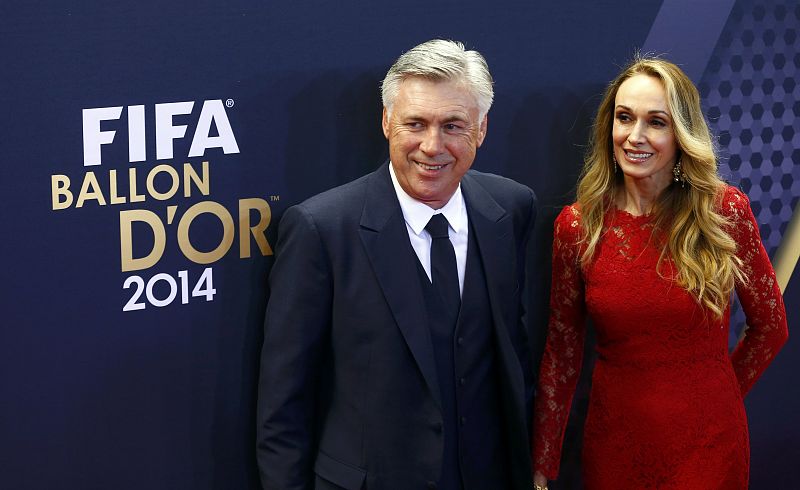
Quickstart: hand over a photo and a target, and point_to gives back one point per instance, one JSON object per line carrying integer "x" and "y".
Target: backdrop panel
{"x": 151, "y": 148}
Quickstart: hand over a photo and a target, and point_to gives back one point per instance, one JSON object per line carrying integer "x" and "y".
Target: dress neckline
{"x": 626, "y": 216}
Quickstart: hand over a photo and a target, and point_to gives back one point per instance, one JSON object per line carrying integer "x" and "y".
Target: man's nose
{"x": 432, "y": 143}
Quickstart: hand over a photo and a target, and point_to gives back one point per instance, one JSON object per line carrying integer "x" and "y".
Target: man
{"x": 396, "y": 357}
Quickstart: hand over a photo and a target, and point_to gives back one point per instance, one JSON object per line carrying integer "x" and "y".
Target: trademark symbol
{"x": 229, "y": 103}
{"x": 274, "y": 198}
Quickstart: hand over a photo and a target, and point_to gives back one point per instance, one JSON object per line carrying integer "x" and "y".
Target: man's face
{"x": 433, "y": 134}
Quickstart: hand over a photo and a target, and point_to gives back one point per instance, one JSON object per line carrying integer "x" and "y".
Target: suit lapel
{"x": 496, "y": 244}
{"x": 385, "y": 238}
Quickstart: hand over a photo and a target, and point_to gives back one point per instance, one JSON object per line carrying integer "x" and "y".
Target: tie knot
{"x": 437, "y": 226}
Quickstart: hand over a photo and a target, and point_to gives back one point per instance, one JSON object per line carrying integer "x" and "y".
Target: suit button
{"x": 432, "y": 485}
{"x": 462, "y": 381}
{"x": 460, "y": 341}
{"x": 463, "y": 420}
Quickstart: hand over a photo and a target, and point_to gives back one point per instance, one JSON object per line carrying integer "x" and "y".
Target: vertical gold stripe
{"x": 788, "y": 251}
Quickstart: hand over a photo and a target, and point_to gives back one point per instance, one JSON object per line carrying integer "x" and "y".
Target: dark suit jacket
{"x": 348, "y": 393}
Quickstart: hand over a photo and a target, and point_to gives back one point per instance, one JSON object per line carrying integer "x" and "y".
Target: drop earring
{"x": 678, "y": 175}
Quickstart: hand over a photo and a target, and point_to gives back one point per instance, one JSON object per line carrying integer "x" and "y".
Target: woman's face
{"x": 643, "y": 133}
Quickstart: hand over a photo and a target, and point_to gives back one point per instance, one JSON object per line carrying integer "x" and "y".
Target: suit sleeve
{"x": 296, "y": 329}
{"x": 528, "y": 316}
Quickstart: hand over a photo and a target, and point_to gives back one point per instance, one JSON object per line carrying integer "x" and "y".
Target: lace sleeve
{"x": 760, "y": 295}
{"x": 563, "y": 354}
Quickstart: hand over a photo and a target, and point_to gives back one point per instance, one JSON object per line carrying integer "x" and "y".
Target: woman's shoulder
{"x": 570, "y": 213}
{"x": 733, "y": 203}
{"x": 568, "y": 222}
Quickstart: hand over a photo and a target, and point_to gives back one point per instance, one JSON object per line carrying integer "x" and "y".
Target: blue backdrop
{"x": 133, "y": 289}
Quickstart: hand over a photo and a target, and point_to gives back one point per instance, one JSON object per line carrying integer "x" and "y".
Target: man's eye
{"x": 451, "y": 127}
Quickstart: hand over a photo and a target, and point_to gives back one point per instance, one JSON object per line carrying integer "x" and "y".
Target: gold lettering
{"x": 245, "y": 206}
{"x": 90, "y": 181}
{"x": 227, "y": 236}
{"x": 132, "y": 186}
{"x": 189, "y": 176}
{"x": 60, "y": 187}
{"x": 112, "y": 185}
{"x": 126, "y": 218}
{"x": 151, "y": 177}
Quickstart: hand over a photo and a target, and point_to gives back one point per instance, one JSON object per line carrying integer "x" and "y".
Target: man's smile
{"x": 430, "y": 166}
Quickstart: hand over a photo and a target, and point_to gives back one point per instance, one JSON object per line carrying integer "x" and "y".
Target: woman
{"x": 651, "y": 251}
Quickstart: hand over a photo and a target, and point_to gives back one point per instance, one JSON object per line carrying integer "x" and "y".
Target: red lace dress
{"x": 666, "y": 408}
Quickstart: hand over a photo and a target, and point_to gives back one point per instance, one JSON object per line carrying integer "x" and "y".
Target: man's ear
{"x": 482, "y": 130}
{"x": 385, "y": 122}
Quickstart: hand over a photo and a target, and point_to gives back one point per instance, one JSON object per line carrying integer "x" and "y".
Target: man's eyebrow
{"x": 455, "y": 118}
{"x": 449, "y": 118}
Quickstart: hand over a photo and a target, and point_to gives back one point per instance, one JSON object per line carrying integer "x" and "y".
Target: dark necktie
{"x": 444, "y": 273}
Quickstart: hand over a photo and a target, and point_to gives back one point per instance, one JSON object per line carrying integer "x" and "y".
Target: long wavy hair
{"x": 686, "y": 217}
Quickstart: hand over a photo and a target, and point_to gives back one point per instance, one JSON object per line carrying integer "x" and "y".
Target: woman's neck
{"x": 638, "y": 196}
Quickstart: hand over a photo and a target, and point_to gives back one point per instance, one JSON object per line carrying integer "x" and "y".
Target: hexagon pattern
{"x": 750, "y": 94}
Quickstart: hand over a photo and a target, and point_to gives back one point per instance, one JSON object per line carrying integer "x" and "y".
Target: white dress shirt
{"x": 417, "y": 215}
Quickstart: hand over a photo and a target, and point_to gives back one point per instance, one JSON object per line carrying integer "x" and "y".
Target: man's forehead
{"x": 433, "y": 83}
{"x": 444, "y": 95}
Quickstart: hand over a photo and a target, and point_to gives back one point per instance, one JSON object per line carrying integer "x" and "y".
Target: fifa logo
{"x": 166, "y": 131}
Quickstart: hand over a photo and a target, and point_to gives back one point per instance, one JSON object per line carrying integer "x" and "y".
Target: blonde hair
{"x": 695, "y": 238}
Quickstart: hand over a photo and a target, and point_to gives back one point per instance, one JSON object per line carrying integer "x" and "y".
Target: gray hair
{"x": 441, "y": 60}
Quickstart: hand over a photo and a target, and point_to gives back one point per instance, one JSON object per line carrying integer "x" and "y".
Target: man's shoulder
{"x": 340, "y": 196}
{"x": 337, "y": 208}
{"x": 502, "y": 188}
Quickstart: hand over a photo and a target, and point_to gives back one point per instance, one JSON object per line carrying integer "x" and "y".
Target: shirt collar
{"x": 417, "y": 214}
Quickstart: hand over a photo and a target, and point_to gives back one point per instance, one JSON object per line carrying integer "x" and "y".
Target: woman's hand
{"x": 539, "y": 480}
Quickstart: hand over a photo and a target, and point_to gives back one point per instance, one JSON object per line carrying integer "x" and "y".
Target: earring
{"x": 616, "y": 165}
{"x": 678, "y": 175}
